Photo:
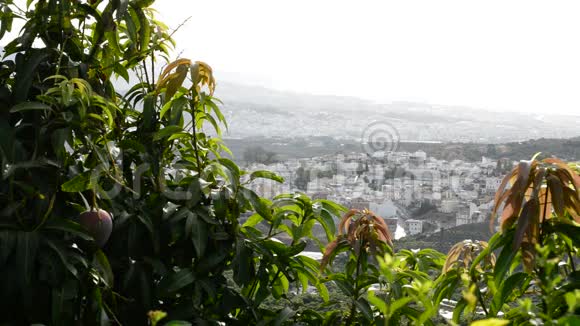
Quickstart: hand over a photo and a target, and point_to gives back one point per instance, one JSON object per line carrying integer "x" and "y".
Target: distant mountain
{"x": 292, "y": 148}
{"x": 258, "y": 111}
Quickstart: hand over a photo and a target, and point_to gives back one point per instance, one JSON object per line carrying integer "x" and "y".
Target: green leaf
{"x": 266, "y": 175}
{"x": 80, "y": 182}
{"x": 275, "y": 247}
{"x": 179, "y": 135}
{"x": 130, "y": 144}
{"x": 59, "y": 138}
{"x": 28, "y": 106}
{"x": 445, "y": 286}
{"x": 7, "y": 245}
{"x": 177, "y": 108}
{"x": 149, "y": 114}
{"x": 113, "y": 42}
{"x": 26, "y": 250}
{"x": 167, "y": 131}
{"x": 363, "y": 305}
{"x": 40, "y": 163}
{"x": 155, "y": 316}
{"x": 188, "y": 220}
{"x": 146, "y": 221}
{"x": 491, "y": 322}
{"x": 60, "y": 252}
{"x": 345, "y": 286}
{"x": 101, "y": 262}
{"x": 415, "y": 315}
{"x": 563, "y": 227}
{"x": 502, "y": 263}
{"x": 458, "y": 310}
{"x": 121, "y": 71}
{"x": 68, "y": 226}
{"x": 234, "y": 170}
{"x": 220, "y": 204}
{"x": 569, "y": 321}
{"x": 296, "y": 249}
{"x": 177, "y": 323}
{"x": 122, "y": 8}
{"x": 398, "y": 304}
{"x": 253, "y": 220}
{"x": 496, "y": 241}
{"x": 327, "y": 222}
{"x": 98, "y": 117}
{"x": 515, "y": 281}
{"x": 243, "y": 265}
{"x": 260, "y": 205}
{"x": 280, "y": 286}
{"x": 6, "y": 18}
{"x": 25, "y": 72}
{"x": 323, "y": 291}
{"x": 377, "y": 302}
{"x": 199, "y": 234}
{"x": 333, "y": 207}
{"x": 57, "y": 304}
{"x": 144, "y": 28}
{"x": 308, "y": 262}
{"x": 303, "y": 230}
{"x": 174, "y": 282}
{"x": 6, "y": 143}
{"x": 217, "y": 111}
{"x": 174, "y": 103}
{"x": 283, "y": 316}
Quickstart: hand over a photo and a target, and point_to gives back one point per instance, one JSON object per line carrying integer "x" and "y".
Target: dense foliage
{"x": 188, "y": 243}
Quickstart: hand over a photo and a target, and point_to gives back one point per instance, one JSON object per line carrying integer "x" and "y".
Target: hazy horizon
{"x": 257, "y": 85}
{"x": 518, "y": 56}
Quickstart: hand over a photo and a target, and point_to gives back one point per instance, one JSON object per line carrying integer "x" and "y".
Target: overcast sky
{"x": 497, "y": 55}
{"x": 515, "y": 55}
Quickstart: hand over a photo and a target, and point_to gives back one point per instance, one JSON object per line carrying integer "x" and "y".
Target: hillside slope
{"x": 445, "y": 239}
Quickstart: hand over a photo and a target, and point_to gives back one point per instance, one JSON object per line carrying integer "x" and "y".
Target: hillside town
{"x": 414, "y": 193}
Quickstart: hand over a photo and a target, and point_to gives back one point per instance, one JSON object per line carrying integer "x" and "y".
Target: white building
{"x": 492, "y": 184}
{"x": 449, "y": 205}
{"x": 420, "y": 155}
{"x": 414, "y": 226}
{"x": 391, "y": 192}
{"x": 463, "y": 215}
{"x": 385, "y": 209}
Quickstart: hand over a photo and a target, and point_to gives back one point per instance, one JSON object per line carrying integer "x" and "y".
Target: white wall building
{"x": 462, "y": 215}
{"x": 449, "y": 205}
{"x": 385, "y": 209}
{"x": 492, "y": 184}
{"x": 414, "y": 226}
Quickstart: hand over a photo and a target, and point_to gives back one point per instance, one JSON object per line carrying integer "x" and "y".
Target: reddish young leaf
{"x": 526, "y": 222}
{"x": 545, "y": 198}
{"x": 344, "y": 224}
{"x": 555, "y": 186}
{"x": 572, "y": 203}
